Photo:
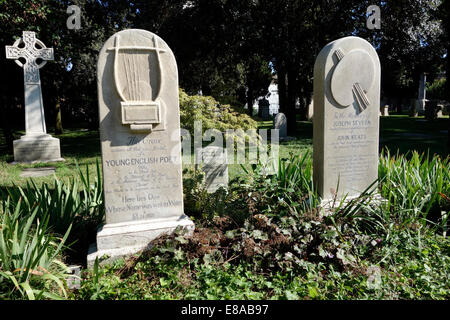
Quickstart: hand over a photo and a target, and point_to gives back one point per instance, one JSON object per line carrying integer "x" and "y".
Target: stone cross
{"x": 32, "y": 50}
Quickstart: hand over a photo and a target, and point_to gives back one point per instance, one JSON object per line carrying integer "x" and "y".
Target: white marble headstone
{"x": 310, "y": 110}
{"x": 213, "y": 162}
{"x": 384, "y": 110}
{"x": 140, "y": 138}
{"x": 346, "y": 117}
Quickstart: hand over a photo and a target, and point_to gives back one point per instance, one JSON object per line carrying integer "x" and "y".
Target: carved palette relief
{"x": 352, "y": 78}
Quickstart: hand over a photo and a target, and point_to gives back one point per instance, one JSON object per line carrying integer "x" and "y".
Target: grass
{"x": 264, "y": 239}
{"x": 77, "y": 146}
{"x": 284, "y": 249}
{"x": 397, "y": 133}
{"x": 403, "y": 134}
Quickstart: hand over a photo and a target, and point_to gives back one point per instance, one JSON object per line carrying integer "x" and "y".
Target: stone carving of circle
{"x": 357, "y": 66}
{"x": 31, "y": 53}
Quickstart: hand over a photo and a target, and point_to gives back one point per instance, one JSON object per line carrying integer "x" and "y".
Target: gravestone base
{"x": 329, "y": 205}
{"x": 384, "y": 111}
{"x": 286, "y": 139}
{"x": 37, "y": 148}
{"x": 118, "y": 240}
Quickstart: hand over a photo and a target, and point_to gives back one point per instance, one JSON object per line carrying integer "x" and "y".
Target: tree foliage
{"x": 229, "y": 49}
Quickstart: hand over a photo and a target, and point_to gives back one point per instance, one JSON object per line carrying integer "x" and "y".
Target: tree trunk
{"x": 250, "y": 99}
{"x": 303, "y": 109}
{"x": 7, "y": 132}
{"x": 6, "y": 124}
{"x": 58, "y": 123}
{"x": 447, "y": 64}
{"x": 448, "y": 91}
{"x": 291, "y": 113}
{"x": 281, "y": 73}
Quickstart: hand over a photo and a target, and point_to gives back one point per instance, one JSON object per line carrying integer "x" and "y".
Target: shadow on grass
{"x": 80, "y": 144}
{"x": 400, "y": 133}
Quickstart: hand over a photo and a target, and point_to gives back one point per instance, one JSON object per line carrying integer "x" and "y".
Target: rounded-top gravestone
{"x": 280, "y": 123}
{"x": 264, "y": 109}
{"x": 346, "y": 117}
{"x": 139, "y": 115}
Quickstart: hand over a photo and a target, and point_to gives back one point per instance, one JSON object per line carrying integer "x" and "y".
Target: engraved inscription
{"x": 351, "y": 155}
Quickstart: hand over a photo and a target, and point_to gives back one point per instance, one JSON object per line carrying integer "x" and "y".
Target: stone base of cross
{"x": 36, "y": 149}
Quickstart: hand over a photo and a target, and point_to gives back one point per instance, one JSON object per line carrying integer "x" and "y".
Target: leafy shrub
{"x": 436, "y": 90}
{"x": 417, "y": 190}
{"x": 212, "y": 114}
{"x": 272, "y": 240}
{"x": 29, "y": 263}
{"x": 67, "y": 204}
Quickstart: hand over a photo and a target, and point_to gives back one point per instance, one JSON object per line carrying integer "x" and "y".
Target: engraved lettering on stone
{"x": 138, "y": 113}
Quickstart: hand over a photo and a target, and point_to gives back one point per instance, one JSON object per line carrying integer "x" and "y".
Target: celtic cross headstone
{"x": 36, "y": 146}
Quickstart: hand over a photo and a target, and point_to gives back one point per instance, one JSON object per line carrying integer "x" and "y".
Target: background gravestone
{"x": 264, "y": 109}
{"x": 215, "y": 167}
{"x": 36, "y": 145}
{"x": 433, "y": 110}
{"x": 280, "y": 123}
{"x": 421, "y": 99}
{"x": 346, "y": 117}
{"x": 140, "y": 138}
{"x": 310, "y": 110}
{"x": 384, "y": 110}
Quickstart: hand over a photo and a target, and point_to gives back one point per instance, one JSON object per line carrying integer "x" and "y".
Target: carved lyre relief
{"x": 352, "y": 78}
{"x": 141, "y": 108}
